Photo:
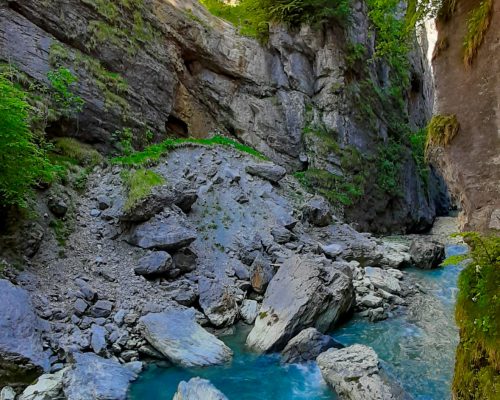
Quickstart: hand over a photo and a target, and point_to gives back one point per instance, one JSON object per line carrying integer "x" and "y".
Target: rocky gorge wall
{"x": 470, "y": 163}
{"x": 171, "y": 68}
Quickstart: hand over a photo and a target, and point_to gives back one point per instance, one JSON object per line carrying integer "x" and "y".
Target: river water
{"x": 416, "y": 347}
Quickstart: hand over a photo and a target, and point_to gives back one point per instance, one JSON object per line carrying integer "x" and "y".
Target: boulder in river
{"x": 307, "y": 345}
{"x": 176, "y": 334}
{"x": 305, "y": 292}
{"x": 96, "y": 378}
{"x": 383, "y": 279}
{"x": 426, "y": 254}
{"x": 354, "y": 374}
{"x": 160, "y": 233}
{"x": 198, "y": 389}
{"x": 22, "y": 358}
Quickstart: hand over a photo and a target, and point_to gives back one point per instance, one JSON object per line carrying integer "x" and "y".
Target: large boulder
{"x": 426, "y": 254}
{"x": 383, "y": 279}
{"x": 269, "y": 171}
{"x": 156, "y": 263}
{"x": 198, "y": 389}
{"x": 22, "y": 358}
{"x": 317, "y": 211}
{"x": 47, "y": 387}
{"x": 91, "y": 377}
{"x": 307, "y": 345}
{"x": 177, "y": 335}
{"x": 170, "y": 233}
{"x": 354, "y": 374}
{"x": 218, "y": 300}
{"x": 305, "y": 292}
{"x": 159, "y": 198}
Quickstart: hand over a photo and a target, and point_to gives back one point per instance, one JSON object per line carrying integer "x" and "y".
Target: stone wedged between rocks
{"x": 305, "y": 292}
{"x": 176, "y": 334}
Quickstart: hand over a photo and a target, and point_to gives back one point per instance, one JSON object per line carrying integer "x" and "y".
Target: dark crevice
{"x": 176, "y": 126}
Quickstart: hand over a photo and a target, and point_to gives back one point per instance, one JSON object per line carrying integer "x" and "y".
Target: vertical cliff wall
{"x": 471, "y": 162}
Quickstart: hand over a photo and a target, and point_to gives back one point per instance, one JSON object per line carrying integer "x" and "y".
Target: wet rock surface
{"x": 198, "y": 389}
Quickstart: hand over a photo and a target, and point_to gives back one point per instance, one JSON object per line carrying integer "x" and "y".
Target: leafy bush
{"x": 61, "y": 81}
{"x": 417, "y": 143}
{"x": 389, "y": 167}
{"x": 23, "y": 163}
{"x": 477, "y": 314}
{"x": 477, "y": 25}
{"x": 139, "y": 184}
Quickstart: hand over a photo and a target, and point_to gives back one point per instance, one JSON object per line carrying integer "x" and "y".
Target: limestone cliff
{"x": 471, "y": 162}
{"x": 171, "y": 68}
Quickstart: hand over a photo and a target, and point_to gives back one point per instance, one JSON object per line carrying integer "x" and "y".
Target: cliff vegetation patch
{"x": 441, "y": 131}
{"x": 477, "y": 25}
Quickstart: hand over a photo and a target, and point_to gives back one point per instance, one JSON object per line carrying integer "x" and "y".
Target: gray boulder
{"x": 317, "y": 212}
{"x": 262, "y": 273}
{"x": 383, "y": 279}
{"x": 176, "y": 335}
{"x": 98, "y": 338}
{"x": 156, "y": 263}
{"x": 269, "y": 171}
{"x": 218, "y": 300}
{"x": 7, "y": 393}
{"x": 354, "y": 374}
{"x": 426, "y": 254}
{"x": 91, "y": 377}
{"x": 101, "y": 309}
{"x": 185, "y": 260}
{"x": 22, "y": 358}
{"x": 167, "y": 234}
{"x": 331, "y": 250}
{"x": 198, "y": 389}
{"x": 249, "y": 310}
{"x": 47, "y": 387}
{"x": 306, "y": 346}
{"x": 305, "y": 292}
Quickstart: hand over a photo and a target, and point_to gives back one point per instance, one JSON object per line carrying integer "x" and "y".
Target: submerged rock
{"x": 198, "y": 389}
{"x": 177, "y": 335}
{"x": 163, "y": 234}
{"x": 304, "y": 293}
{"x": 354, "y": 374}
{"x": 22, "y": 358}
{"x": 96, "y": 378}
{"x": 307, "y": 345}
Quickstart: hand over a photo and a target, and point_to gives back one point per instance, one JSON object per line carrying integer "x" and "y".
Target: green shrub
{"x": 61, "y": 81}
{"x": 477, "y": 25}
{"x": 417, "y": 143}
{"x": 441, "y": 131}
{"x": 477, "y": 365}
{"x": 139, "y": 185}
{"x": 23, "y": 163}
{"x": 79, "y": 153}
{"x": 389, "y": 167}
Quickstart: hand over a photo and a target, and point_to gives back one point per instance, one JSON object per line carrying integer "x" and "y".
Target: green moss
{"x": 151, "y": 154}
{"x": 62, "y": 230}
{"x": 477, "y": 365}
{"x": 446, "y": 10}
{"x": 441, "y": 131}
{"x": 262, "y": 314}
{"x": 139, "y": 185}
{"x": 79, "y": 153}
{"x": 477, "y": 25}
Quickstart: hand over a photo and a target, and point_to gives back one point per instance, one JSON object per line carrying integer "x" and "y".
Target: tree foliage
{"x": 23, "y": 163}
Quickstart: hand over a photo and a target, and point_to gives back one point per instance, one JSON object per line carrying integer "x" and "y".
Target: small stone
{"x": 80, "y": 307}
{"x": 331, "y": 250}
{"x": 95, "y": 212}
{"x": 101, "y": 309}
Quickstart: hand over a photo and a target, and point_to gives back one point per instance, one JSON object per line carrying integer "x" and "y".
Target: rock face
{"x": 21, "y": 353}
{"x": 306, "y": 346}
{"x": 305, "y": 292}
{"x": 426, "y": 254}
{"x": 198, "y": 389}
{"x": 163, "y": 234}
{"x": 94, "y": 377}
{"x": 470, "y": 163}
{"x": 180, "y": 339}
{"x": 191, "y": 73}
{"x": 354, "y": 373}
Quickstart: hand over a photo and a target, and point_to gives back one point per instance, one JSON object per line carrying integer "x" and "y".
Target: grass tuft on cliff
{"x": 477, "y": 26}
{"x": 477, "y": 365}
{"x": 139, "y": 185}
{"x": 151, "y": 154}
{"x": 77, "y": 152}
{"x": 441, "y": 131}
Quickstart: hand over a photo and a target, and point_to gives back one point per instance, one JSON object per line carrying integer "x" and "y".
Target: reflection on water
{"x": 417, "y": 348}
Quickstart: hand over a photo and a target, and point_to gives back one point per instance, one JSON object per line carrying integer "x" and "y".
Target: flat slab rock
{"x": 162, "y": 233}
{"x": 198, "y": 389}
{"x": 21, "y": 353}
{"x": 354, "y": 374}
{"x": 177, "y": 335}
{"x": 305, "y": 292}
{"x": 95, "y": 378}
